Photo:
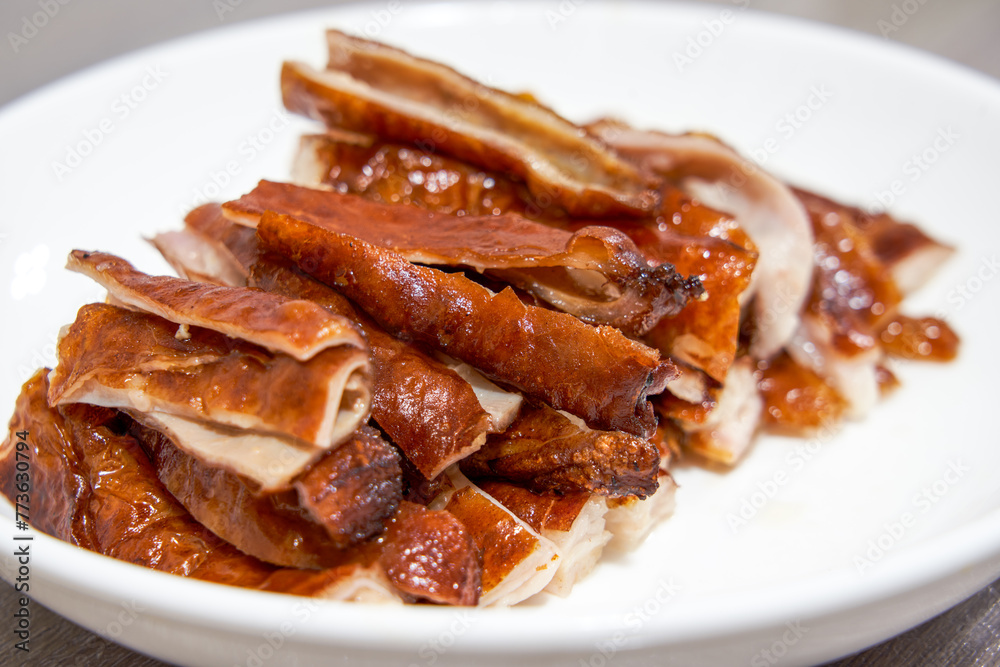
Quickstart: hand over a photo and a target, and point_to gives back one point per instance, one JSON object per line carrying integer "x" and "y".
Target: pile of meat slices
{"x": 453, "y": 360}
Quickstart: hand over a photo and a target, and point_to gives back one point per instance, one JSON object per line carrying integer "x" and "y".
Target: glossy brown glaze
{"x": 595, "y": 273}
{"x": 96, "y": 489}
{"x": 93, "y": 486}
{"x": 352, "y": 491}
{"x": 541, "y": 511}
{"x": 796, "y": 400}
{"x": 344, "y": 499}
{"x": 919, "y": 338}
{"x": 546, "y": 451}
{"x": 298, "y": 328}
{"x": 430, "y": 555}
{"x": 393, "y": 173}
{"x": 595, "y": 373}
{"x": 208, "y": 376}
{"x": 852, "y": 291}
{"x": 270, "y": 526}
{"x": 699, "y": 242}
{"x": 372, "y": 88}
{"x": 502, "y": 541}
{"x": 428, "y": 410}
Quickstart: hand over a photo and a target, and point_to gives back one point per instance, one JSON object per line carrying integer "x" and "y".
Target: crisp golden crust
{"x": 207, "y": 376}
{"x": 298, "y": 328}
{"x": 595, "y": 273}
{"x": 430, "y": 412}
{"x": 595, "y": 373}
{"x": 546, "y": 451}
{"x": 370, "y": 87}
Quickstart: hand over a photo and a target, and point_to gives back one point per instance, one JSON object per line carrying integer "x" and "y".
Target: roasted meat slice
{"x": 345, "y": 498}
{"x": 517, "y": 562}
{"x": 545, "y": 450}
{"x": 94, "y": 487}
{"x": 722, "y": 426}
{"x": 297, "y": 328}
{"x": 436, "y": 412}
{"x": 595, "y": 273}
{"x": 372, "y": 88}
{"x": 573, "y": 522}
{"x": 393, "y": 173}
{"x": 595, "y": 373}
{"x": 430, "y": 555}
{"x": 705, "y": 334}
{"x": 631, "y": 519}
{"x": 796, "y": 400}
{"x": 907, "y": 255}
{"x": 286, "y": 409}
{"x": 765, "y": 208}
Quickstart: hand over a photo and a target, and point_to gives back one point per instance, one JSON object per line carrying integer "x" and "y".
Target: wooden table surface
{"x": 967, "y": 31}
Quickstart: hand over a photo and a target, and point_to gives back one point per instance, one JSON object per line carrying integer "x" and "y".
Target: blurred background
{"x": 48, "y": 39}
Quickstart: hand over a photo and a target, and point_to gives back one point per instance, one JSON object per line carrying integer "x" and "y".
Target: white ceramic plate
{"x": 162, "y": 129}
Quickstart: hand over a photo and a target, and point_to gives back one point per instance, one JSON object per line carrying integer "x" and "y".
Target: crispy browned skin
{"x": 394, "y": 173}
{"x": 541, "y": 511}
{"x": 353, "y": 490}
{"x": 543, "y": 260}
{"x": 210, "y": 224}
{"x": 852, "y": 292}
{"x": 430, "y": 555}
{"x": 427, "y": 409}
{"x": 270, "y": 526}
{"x": 796, "y": 400}
{"x": 558, "y": 160}
{"x": 919, "y": 339}
{"x": 693, "y": 239}
{"x": 342, "y": 500}
{"x": 206, "y": 376}
{"x": 503, "y": 542}
{"x": 593, "y": 372}
{"x": 298, "y": 328}
{"x": 96, "y": 488}
{"x": 545, "y": 451}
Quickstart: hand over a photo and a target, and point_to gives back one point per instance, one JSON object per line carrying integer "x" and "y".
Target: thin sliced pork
{"x": 197, "y": 373}
{"x": 297, "y": 328}
{"x": 546, "y": 450}
{"x": 595, "y": 373}
{"x": 372, "y": 88}
{"x": 595, "y": 273}
{"x": 765, "y": 207}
